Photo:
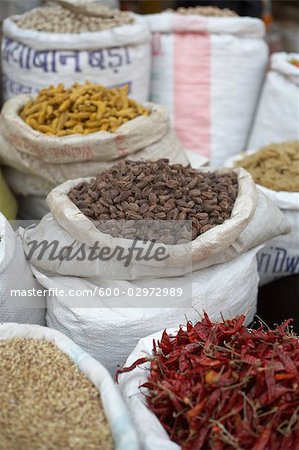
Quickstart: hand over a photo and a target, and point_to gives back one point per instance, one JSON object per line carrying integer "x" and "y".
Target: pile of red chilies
{"x": 222, "y": 386}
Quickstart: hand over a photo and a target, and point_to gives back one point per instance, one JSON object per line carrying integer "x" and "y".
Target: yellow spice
{"x": 275, "y": 166}
{"x": 81, "y": 109}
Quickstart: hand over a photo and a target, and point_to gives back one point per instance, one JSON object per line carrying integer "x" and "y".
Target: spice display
{"x": 146, "y": 190}
{"x": 65, "y": 19}
{"x": 294, "y": 61}
{"x": 82, "y": 109}
{"x": 275, "y": 166}
{"x": 208, "y": 11}
{"x": 223, "y": 386}
{"x": 46, "y": 401}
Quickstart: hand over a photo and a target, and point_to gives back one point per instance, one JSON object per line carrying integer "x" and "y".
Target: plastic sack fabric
{"x": 67, "y": 226}
{"x": 277, "y": 116}
{"x": 109, "y": 334}
{"x": 56, "y": 160}
{"x": 280, "y": 255}
{"x": 8, "y": 204}
{"x": 16, "y": 280}
{"x": 24, "y": 184}
{"x": 152, "y": 436}
{"x": 124, "y": 435}
{"x": 208, "y": 72}
{"x": 32, "y": 60}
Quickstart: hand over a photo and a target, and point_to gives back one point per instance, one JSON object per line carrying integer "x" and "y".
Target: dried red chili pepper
{"x": 222, "y": 386}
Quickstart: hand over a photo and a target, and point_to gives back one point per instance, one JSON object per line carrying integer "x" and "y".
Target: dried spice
{"x": 208, "y": 11}
{"x": 275, "y": 166}
{"x": 82, "y": 109}
{"x": 221, "y": 386}
{"x": 65, "y": 19}
{"x": 156, "y": 191}
{"x": 46, "y": 401}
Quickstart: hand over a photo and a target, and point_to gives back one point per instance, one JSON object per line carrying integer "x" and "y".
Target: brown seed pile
{"x": 208, "y": 11}
{"x": 82, "y": 109}
{"x": 146, "y": 190}
{"x": 275, "y": 166}
{"x": 46, "y": 402}
{"x": 57, "y": 19}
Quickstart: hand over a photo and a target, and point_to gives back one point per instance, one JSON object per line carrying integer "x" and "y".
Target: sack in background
{"x": 124, "y": 435}
{"x": 208, "y": 73}
{"x": 15, "y": 276}
{"x": 32, "y": 60}
{"x": 280, "y": 255}
{"x": 277, "y": 117}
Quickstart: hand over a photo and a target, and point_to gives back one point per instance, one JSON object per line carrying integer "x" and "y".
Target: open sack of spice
{"x": 81, "y": 408}
{"x": 223, "y": 206}
{"x": 17, "y": 283}
{"x": 215, "y": 385}
{"x": 52, "y": 44}
{"x": 203, "y": 62}
{"x": 275, "y": 169}
{"x": 69, "y": 133}
{"x": 277, "y": 117}
{"x": 213, "y": 268}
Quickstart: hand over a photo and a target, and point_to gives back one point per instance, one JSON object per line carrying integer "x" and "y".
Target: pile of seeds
{"x": 146, "y": 190}
{"x": 46, "y": 401}
{"x": 275, "y": 166}
{"x": 208, "y": 11}
{"x": 57, "y": 19}
{"x": 82, "y": 109}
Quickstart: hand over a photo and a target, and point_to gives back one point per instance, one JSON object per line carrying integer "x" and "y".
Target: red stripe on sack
{"x": 121, "y": 147}
{"x": 192, "y": 89}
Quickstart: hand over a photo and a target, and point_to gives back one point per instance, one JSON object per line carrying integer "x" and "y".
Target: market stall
{"x": 149, "y": 227}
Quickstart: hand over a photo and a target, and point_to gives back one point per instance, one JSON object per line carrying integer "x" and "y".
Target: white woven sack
{"x": 280, "y": 255}
{"x": 68, "y": 227}
{"x": 277, "y": 117}
{"x": 110, "y": 333}
{"x": 26, "y": 185}
{"x": 207, "y": 72}
{"x": 101, "y": 146}
{"x": 152, "y": 436}
{"x": 32, "y": 60}
{"x": 34, "y": 153}
{"x": 15, "y": 275}
{"x": 124, "y": 435}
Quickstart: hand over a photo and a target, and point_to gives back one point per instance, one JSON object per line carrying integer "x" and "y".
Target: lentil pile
{"x": 58, "y": 19}
{"x": 221, "y": 386}
{"x": 146, "y": 190}
{"x": 82, "y": 109}
{"x": 46, "y": 401}
{"x": 275, "y": 166}
{"x": 208, "y": 11}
